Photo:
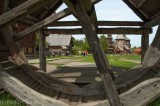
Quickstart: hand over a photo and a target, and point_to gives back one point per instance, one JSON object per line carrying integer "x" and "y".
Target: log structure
{"x": 21, "y": 19}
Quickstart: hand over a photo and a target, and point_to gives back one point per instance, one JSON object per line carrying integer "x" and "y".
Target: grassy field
{"x": 125, "y": 62}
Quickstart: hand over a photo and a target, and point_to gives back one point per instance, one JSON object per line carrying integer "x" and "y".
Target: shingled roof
{"x": 59, "y": 40}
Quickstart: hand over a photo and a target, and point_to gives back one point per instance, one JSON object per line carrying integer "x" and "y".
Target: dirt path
{"x": 135, "y": 61}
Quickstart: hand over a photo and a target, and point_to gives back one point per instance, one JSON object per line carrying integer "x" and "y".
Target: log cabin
{"x": 60, "y": 44}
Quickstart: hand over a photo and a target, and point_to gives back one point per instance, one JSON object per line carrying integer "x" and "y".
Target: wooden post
{"x": 98, "y": 54}
{"x": 42, "y": 51}
{"x": 144, "y": 43}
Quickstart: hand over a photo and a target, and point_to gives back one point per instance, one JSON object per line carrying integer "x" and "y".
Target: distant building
{"x": 121, "y": 45}
{"x": 28, "y": 43}
{"x": 137, "y": 51}
{"x": 60, "y": 44}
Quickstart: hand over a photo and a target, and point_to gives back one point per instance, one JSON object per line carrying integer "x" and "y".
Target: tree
{"x": 104, "y": 42}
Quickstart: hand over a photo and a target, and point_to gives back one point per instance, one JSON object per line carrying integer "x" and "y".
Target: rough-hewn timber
{"x": 22, "y": 10}
{"x": 100, "y": 23}
{"x": 135, "y": 31}
{"x": 42, "y": 50}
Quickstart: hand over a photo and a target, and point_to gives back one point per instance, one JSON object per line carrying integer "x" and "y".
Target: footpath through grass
{"x": 125, "y": 62}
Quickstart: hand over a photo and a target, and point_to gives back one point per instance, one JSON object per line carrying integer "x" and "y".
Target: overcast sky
{"x": 114, "y": 10}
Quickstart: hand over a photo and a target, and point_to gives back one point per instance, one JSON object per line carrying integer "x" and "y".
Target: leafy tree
{"x": 103, "y": 42}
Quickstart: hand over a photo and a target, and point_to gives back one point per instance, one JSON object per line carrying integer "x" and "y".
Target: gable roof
{"x": 59, "y": 40}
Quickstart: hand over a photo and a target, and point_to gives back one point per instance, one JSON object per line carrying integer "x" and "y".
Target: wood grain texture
{"x": 26, "y": 94}
{"x": 140, "y": 95}
{"x": 22, "y": 10}
{"x": 135, "y": 31}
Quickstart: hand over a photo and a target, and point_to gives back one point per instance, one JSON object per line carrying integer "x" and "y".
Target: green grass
{"x": 155, "y": 103}
{"x": 7, "y": 100}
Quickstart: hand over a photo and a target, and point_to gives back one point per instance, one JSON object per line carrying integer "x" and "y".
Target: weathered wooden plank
{"x": 22, "y": 10}
{"x": 135, "y": 31}
{"x": 42, "y": 50}
{"x": 24, "y": 93}
{"x": 46, "y": 21}
{"x": 135, "y": 10}
{"x": 100, "y": 23}
{"x": 43, "y": 23}
{"x": 153, "y": 22}
{"x": 140, "y": 95}
{"x": 97, "y": 52}
{"x": 152, "y": 54}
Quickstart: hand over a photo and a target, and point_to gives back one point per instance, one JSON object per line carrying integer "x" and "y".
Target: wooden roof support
{"x": 142, "y": 3}
{"x": 144, "y": 43}
{"x": 97, "y": 51}
{"x": 155, "y": 21}
{"x": 42, "y": 50}
{"x": 136, "y": 11}
{"x": 22, "y": 10}
{"x": 46, "y": 21}
{"x": 100, "y": 23}
{"x": 43, "y": 23}
{"x": 51, "y": 10}
{"x": 152, "y": 54}
{"x": 136, "y": 31}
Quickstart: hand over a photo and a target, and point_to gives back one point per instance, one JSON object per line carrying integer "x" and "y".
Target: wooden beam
{"x": 46, "y": 21}
{"x": 152, "y": 54}
{"x": 155, "y": 21}
{"x": 42, "y": 50}
{"x": 100, "y": 23}
{"x": 135, "y": 10}
{"x": 43, "y": 23}
{"x": 26, "y": 94}
{"x": 136, "y": 31}
{"x": 51, "y": 10}
{"x": 22, "y": 10}
{"x": 142, "y": 3}
{"x": 140, "y": 95}
{"x": 98, "y": 53}
{"x": 144, "y": 43}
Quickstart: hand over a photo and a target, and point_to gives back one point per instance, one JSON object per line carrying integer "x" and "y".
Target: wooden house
{"x": 28, "y": 42}
{"x": 60, "y": 44}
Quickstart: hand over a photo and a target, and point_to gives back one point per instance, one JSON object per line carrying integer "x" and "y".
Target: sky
{"x": 113, "y": 10}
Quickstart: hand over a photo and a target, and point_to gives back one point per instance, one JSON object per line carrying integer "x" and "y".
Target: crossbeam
{"x": 155, "y": 21}
{"x": 21, "y": 10}
{"x": 100, "y": 23}
{"x": 135, "y": 31}
{"x": 47, "y": 21}
{"x": 43, "y": 23}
